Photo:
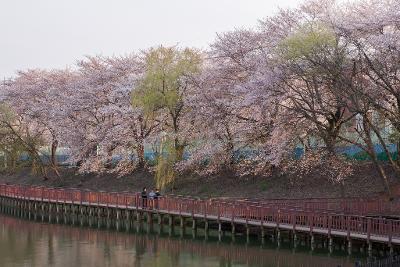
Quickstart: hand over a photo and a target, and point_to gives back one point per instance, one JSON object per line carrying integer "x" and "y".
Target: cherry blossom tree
{"x": 34, "y": 97}
{"x": 100, "y": 103}
{"x": 371, "y": 28}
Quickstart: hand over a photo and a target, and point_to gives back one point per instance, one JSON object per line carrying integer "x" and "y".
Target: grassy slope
{"x": 364, "y": 182}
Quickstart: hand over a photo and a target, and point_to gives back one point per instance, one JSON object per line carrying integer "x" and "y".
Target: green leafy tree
{"x": 161, "y": 92}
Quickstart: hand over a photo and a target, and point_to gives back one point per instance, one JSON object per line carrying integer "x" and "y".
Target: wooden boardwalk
{"x": 329, "y": 223}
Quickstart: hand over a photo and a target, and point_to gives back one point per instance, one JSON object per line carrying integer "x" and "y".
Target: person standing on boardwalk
{"x": 157, "y": 195}
{"x": 144, "y": 197}
{"x": 152, "y": 196}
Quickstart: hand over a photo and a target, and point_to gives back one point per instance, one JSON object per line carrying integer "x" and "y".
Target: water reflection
{"x": 27, "y": 243}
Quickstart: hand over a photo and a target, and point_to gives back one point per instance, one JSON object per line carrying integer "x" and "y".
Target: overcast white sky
{"x": 56, "y": 33}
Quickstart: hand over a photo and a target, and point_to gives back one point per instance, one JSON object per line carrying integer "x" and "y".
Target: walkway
{"x": 265, "y": 215}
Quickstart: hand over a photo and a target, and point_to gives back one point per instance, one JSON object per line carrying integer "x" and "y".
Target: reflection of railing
{"x": 234, "y": 253}
{"x": 391, "y": 261}
{"x": 240, "y": 212}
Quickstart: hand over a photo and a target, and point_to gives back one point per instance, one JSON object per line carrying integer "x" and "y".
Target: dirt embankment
{"x": 364, "y": 182}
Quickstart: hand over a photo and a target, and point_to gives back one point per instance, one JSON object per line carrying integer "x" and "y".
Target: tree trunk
{"x": 53, "y": 158}
{"x": 398, "y": 152}
{"x": 230, "y": 154}
{"x": 330, "y": 146}
{"x": 54, "y": 147}
{"x": 333, "y": 130}
{"x": 140, "y": 154}
{"x": 385, "y": 180}
{"x": 179, "y": 149}
{"x": 387, "y": 152}
{"x": 372, "y": 153}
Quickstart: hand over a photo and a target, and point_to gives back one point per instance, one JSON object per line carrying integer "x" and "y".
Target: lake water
{"x": 32, "y": 243}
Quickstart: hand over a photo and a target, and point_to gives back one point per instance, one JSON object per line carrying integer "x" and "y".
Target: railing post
{"x": 278, "y": 218}
{"x": 218, "y": 212}
{"x": 294, "y": 221}
{"x": 247, "y": 214}
{"x": 233, "y": 212}
{"x": 108, "y": 199}
{"x": 205, "y": 210}
{"x": 348, "y": 226}
{"x": 329, "y": 225}
{"x": 311, "y": 222}
{"x": 368, "y": 229}
{"x": 192, "y": 208}
{"x": 261, "y": 208}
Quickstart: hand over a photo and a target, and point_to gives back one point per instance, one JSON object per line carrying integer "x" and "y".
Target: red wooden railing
{"x": 355, "y": 206}
{"x": 226, "y": 210}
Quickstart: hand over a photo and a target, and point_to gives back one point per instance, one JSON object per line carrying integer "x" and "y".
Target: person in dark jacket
{"x": 157, "y": 195}
{"x": 144, "y": 197}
